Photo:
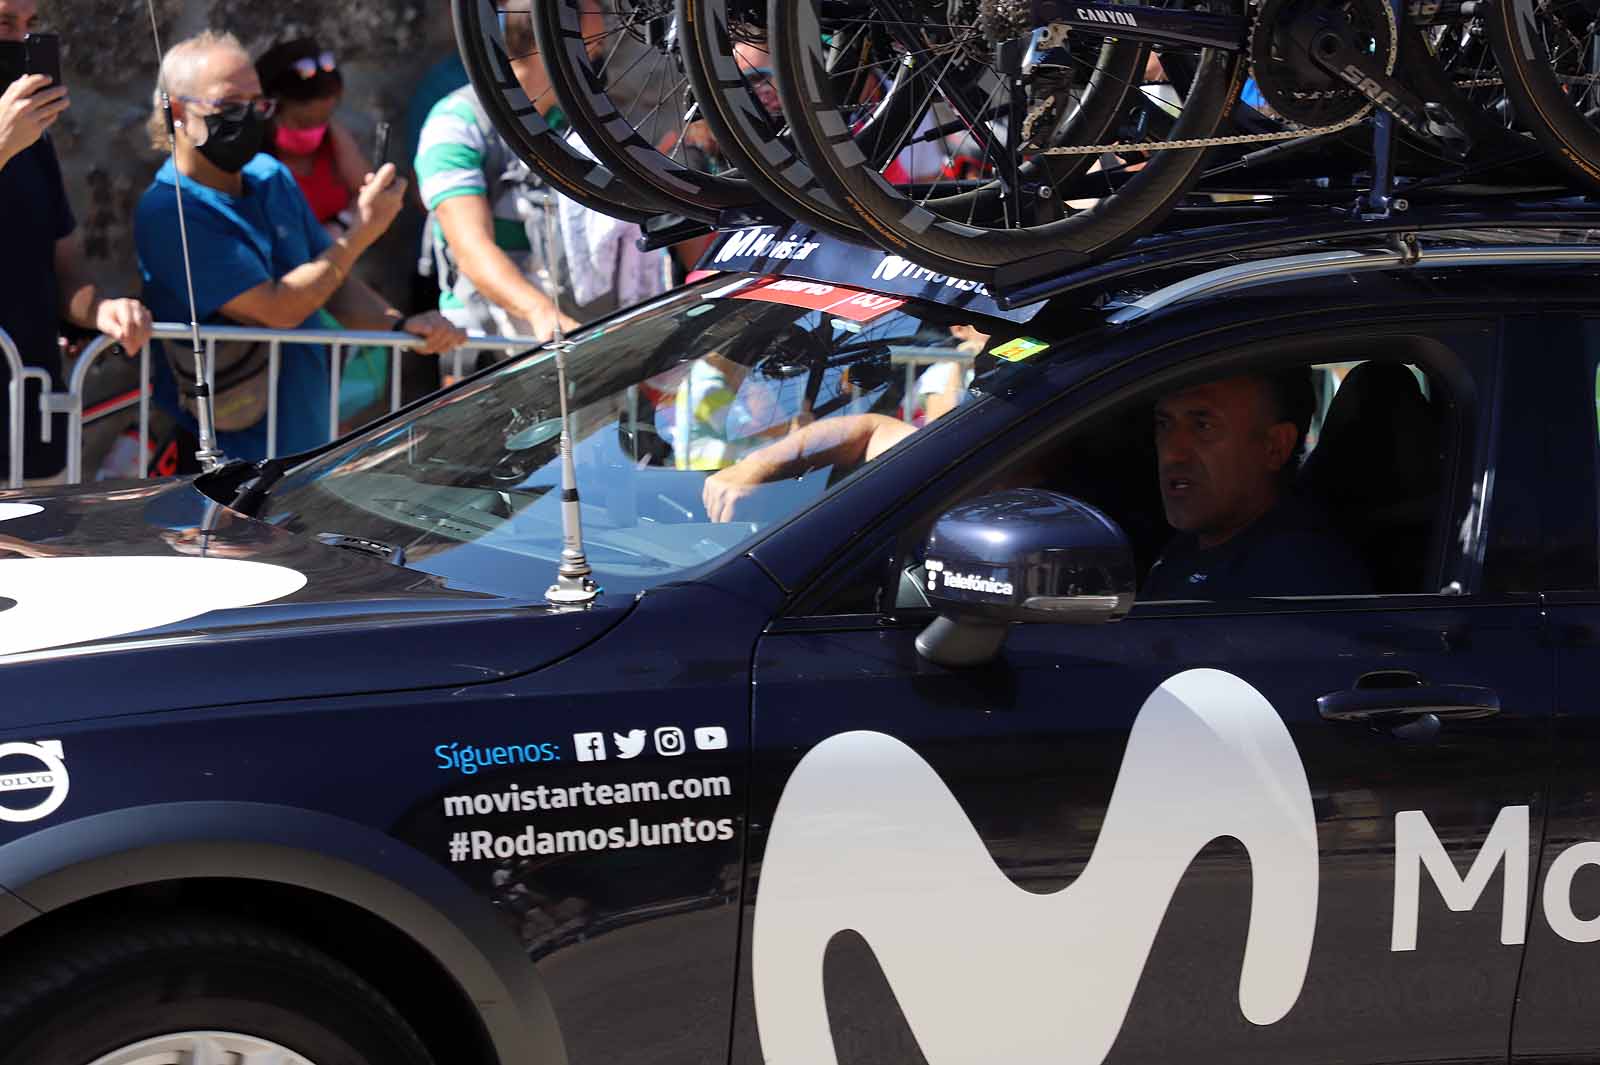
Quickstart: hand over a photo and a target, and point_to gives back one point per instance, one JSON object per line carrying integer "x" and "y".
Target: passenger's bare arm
{"x": 831, "y": 442}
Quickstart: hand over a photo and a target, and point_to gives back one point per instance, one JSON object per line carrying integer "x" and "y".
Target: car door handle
{"x": 1457, "y": 701}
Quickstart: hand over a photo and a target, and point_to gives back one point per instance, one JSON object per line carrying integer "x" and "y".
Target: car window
{"x": 661, "y": 399}
{"x": 1380, "y": 479}
{"x": 1356, "y": 513}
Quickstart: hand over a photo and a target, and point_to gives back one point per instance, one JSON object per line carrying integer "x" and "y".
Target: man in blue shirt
{"x": 258, "y": 256}
{"x": 42, "y": 277}
{"x": 1227, "y": 452}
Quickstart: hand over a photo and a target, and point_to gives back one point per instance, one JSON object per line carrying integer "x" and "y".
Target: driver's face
{"x": 1219, "y": 451}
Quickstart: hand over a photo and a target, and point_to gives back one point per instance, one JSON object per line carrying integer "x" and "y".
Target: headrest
{"x": 1379, "y": 444}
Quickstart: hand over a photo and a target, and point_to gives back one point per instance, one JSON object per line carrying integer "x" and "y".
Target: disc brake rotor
{"x": 1293, "y": 85}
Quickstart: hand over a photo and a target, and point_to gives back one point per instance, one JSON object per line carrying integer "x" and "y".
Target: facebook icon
{"x": 589, "y": 746}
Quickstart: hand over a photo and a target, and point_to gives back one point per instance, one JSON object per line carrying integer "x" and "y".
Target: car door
{"x": 1555, "y": 1015}
{"x": 1140, "y": 841}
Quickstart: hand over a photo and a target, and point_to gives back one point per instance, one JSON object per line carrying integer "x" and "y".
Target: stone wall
{"x": 109, "y": 63}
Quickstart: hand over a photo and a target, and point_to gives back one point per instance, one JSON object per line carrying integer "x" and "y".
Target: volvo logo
{"x": 27, "y": 769}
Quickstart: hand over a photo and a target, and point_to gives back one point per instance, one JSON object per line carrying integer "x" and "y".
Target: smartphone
{"x": 380, "y": 146}
{"x": 42, "y": 55}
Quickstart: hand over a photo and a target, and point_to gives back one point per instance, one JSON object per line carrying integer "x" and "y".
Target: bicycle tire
{"x": 1540, "y": 98}
{"x": 773, "y": 167}
{"x": 534, "y": 140}
{"x": 903, "y": 226}
{"x": 609, "y": 131}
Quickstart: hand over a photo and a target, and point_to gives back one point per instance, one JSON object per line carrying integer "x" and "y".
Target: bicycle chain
{"x": 1294, "y": 133}
{"x": 1261, "y": 138}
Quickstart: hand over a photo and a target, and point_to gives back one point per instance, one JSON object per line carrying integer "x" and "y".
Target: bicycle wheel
{"x": 1549, "y": 62}
{"x": 729, "y": 66}
{"x": 1009, "y": 224}
{"x": 615, "y": 67}
{"x": 521, "y": 119}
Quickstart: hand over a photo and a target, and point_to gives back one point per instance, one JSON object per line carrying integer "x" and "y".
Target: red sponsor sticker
{"x": 837, "y": 300}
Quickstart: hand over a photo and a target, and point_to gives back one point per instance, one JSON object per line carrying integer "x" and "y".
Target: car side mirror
{"x": 1020, "y": 555}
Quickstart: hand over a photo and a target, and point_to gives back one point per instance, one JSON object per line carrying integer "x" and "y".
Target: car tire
{"x": 135, "y": 993}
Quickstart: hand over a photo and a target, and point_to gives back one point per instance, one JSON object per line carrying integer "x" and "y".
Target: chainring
{"x": 1292, "y": 84}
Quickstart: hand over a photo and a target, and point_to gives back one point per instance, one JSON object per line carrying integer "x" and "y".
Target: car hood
{"x": 116, "y": 601}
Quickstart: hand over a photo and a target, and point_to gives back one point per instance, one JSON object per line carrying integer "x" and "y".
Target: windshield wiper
{"x": 250, "y": 494}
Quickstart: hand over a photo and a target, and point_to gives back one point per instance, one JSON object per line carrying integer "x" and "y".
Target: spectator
{"x": 304, "y": 79}
{"x": 489, "y": 232}
{"x": 42, "y": 277}
{"x": 258, "y": 255}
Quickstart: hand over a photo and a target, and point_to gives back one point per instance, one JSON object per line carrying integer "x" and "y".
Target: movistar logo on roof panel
{"x": 894, "y": 267}
{"x": 802, "y": 252}
{"x": 761, "y": 242}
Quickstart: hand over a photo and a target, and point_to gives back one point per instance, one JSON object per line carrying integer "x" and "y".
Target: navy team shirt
{"x": 1290, "y": 550}
{"x": 37, "y": 215}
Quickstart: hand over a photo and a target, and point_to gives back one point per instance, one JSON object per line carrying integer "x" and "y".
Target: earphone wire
{"x": 207, "y": 454}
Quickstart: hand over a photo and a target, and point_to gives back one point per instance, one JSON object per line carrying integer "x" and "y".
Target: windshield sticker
{"x": 73, "y": 600}
{"x": 26, "y": 769}
{"x": 1018, "y": 349}
{"x": 18, "y": 510}
{"x": 836, "y": 300}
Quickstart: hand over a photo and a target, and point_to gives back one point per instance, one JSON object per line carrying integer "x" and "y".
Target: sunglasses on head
{"x": 308, "y": 66}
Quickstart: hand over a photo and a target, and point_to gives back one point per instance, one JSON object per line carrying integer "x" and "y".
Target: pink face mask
{"x": 300, "y": 141}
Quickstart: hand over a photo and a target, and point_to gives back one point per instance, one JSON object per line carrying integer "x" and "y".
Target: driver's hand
{"x": 723, "y": 490}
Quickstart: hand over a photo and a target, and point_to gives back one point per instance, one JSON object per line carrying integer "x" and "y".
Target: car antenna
{"x": 574, "y": 584}
{"x": 207, "y": 454}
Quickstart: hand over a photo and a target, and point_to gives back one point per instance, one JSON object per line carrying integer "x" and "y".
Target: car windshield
{"x": 467, "y": 486}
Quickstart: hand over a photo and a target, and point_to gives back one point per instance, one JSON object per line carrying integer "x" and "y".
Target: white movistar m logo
{"x": 867, "y": 837}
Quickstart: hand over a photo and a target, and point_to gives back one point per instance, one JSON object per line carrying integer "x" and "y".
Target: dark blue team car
{"x": 869, "y": 755}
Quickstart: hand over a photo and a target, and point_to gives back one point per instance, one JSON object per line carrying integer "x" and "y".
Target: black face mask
{"x": 233, "y": 142}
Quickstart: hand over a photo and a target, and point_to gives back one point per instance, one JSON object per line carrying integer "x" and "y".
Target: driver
{"x": 1226, "y": 454}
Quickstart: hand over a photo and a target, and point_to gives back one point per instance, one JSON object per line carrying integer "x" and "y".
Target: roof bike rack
{"x": 1318, "y": 264}
{"x": 1175, "y": 249}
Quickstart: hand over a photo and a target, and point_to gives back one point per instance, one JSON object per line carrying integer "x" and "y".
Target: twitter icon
{"x": 629, "y": 744}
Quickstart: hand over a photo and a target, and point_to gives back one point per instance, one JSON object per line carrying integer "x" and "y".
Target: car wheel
{"x": 193, "y": 992}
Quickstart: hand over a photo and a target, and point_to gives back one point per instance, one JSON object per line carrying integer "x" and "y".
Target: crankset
{"x": 1323, "y": 61}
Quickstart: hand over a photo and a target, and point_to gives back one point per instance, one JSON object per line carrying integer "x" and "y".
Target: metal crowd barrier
{"x": 71, "y": 402}
{"x": 916, "y": 358}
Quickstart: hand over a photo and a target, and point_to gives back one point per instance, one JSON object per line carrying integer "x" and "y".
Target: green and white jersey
{"x": 460, "y": 154}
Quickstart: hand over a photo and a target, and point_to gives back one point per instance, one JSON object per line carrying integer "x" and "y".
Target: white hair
{"x": 181, "y": 70}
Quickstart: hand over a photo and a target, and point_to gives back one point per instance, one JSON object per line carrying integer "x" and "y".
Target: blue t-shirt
{"x": 235, "y": 244}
